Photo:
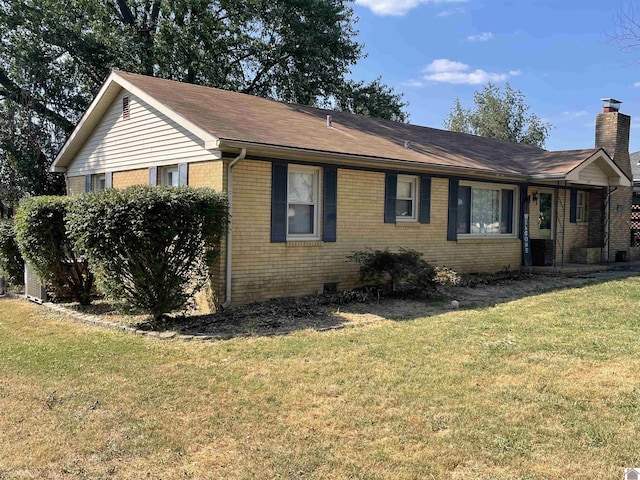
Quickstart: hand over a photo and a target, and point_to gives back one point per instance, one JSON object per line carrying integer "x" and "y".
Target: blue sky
{"x": 555, "y": 51}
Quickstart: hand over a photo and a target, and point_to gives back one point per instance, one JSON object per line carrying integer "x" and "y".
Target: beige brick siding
{"x": 612, "y": 134}
{"x": 207, "y": 174}
{"x": 75, "y": 185}
{"x": 130, "y": 177}
{"x": 619, "y": 233}
{"x": 262, "y": 269}
{"x": 575, "y": 234}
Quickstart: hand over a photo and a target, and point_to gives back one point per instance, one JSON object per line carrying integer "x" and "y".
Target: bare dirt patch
{"x": 325, "y": 312}
{"x": 282, "y": 316}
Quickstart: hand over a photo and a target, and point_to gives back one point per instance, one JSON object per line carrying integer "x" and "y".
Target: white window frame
{"x": 414, "y": 200}
{"x": 514, "y": 213}
{"x": 581, "y": 206}
{"x": 163, "y": 175}
{"x": 95, "y": 181}
{"x": 316, "y": 203}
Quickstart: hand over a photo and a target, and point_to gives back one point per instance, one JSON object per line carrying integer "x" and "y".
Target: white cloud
{"x": 448, "y": 71}
{"x": 397, "y": 7}
{"x": 452, "y": 11}
{"x": 480, "y": 37}
{"x": 412, "y": 82}
{"x": 580, "y": 113}
{"x": 637, "y": 84}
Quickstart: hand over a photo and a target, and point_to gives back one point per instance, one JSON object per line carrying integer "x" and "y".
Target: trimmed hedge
{"x": 11, "y": 262}
{"x": 43, "y": 242}
{"x": 150, "y": 246}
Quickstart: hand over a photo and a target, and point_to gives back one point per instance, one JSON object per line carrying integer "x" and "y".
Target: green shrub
{"x": 404, "y": 272}
{"x": 149, "y": 246}
{"x": 43, "y": 242}
{"x": 11, "y": 262}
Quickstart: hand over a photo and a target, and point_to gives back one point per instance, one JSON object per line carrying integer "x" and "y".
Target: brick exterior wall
{"x": 207, "y": 174}
{"x": 130, "y": 177}
{"x": 612, "y": 134}
{"x": 262, "y": 269}
{"x": 75, "y": 185}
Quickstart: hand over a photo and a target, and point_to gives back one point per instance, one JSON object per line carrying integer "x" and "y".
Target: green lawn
{"x": 546, "y": 387}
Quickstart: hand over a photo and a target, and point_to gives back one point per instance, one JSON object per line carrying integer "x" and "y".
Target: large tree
{"x": 501, "y": 114}
{"x": 55, "y": 54}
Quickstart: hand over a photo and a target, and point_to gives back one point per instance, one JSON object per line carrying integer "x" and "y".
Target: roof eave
{"x": 354, "y": 159}
{"x": 106, "y": 95}
{"x": 64, "y": 156}
{"x": 621, "y": 179}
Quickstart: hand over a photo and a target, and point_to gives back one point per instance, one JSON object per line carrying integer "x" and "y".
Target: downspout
{"x": 227, "y": 299}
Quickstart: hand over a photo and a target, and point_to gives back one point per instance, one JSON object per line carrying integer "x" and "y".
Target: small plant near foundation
{"x": 401, "y": 273}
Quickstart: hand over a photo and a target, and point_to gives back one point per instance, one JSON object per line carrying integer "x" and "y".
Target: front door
{"x": 545, "y": 215}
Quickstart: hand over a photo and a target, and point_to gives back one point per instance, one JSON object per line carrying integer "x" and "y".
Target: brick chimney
{"x": 612, "y": 133}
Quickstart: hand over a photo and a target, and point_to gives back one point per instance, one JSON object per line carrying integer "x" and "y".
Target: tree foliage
{"x": 500, "y": 114}
{"x": 372, "y": 100}
{"x": 11, "y": 262}
{"x": 43, "y": 242}
{"x": 149, "y": 246}
{"x": 55, "y": 54}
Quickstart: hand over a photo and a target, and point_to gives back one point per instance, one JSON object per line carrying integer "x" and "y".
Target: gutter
{"x": 227, "y": 298}
{"x": 285, "y": 152}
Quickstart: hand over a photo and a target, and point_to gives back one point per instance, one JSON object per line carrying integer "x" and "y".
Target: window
{"x": 581, "y": 206}
{"x": 406, "y": 198}
{"x": 485, "y": 210}
{"x": 169, "y": 176}
{"x": 98, "y": 182}
{"x": 302, "y": 202}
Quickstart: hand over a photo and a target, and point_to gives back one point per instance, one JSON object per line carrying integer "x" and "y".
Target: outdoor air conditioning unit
{"x": 33, "y": 288}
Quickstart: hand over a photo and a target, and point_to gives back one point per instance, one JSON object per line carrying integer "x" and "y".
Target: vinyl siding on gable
{"x": 147, "y": 138}
{"x": 593, "y": 175}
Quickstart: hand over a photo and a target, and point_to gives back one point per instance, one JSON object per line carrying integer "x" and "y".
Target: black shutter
{"x": 452, "y": 227}
{"x": 330, "y": 203}
{"x": 390, "y": 189}
{"x": 279, "y": 202}
{"x": 573, "y": 206}
{"x": 153, "y": 175}
{"x": 108, "y": 180}
{"x": 87, "y": 183}
{"x": 506, "y": 220}
{"x": 183, "y": 174}
{"x": 425, "y": 199}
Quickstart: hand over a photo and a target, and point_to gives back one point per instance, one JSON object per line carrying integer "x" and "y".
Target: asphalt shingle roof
{"x": 245, "y": 118}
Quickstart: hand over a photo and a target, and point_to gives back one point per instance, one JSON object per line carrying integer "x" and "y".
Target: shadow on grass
{"x": 326, "y": 312}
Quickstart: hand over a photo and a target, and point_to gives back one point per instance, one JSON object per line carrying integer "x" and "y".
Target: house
{"x": 309, "y": 186}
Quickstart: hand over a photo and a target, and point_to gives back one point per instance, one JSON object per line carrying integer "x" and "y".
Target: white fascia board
{"x": 109, "y": 90}
{"x": 207, "y": 138}
{"x": 618, "y": 179}
{"x": 82, "y": 131}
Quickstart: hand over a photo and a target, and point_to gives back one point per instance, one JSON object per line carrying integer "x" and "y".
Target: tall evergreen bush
{"x": 11, "y": 262}
{"x": 43, "y": 242}
{"x": 149, "y": 246}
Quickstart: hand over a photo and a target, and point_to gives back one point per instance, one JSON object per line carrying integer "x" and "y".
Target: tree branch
{"x": 17, "y": 94}
{"x": 125, "y": 12}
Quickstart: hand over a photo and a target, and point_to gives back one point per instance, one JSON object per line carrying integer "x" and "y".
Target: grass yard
{"x": 546, "y": 387}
